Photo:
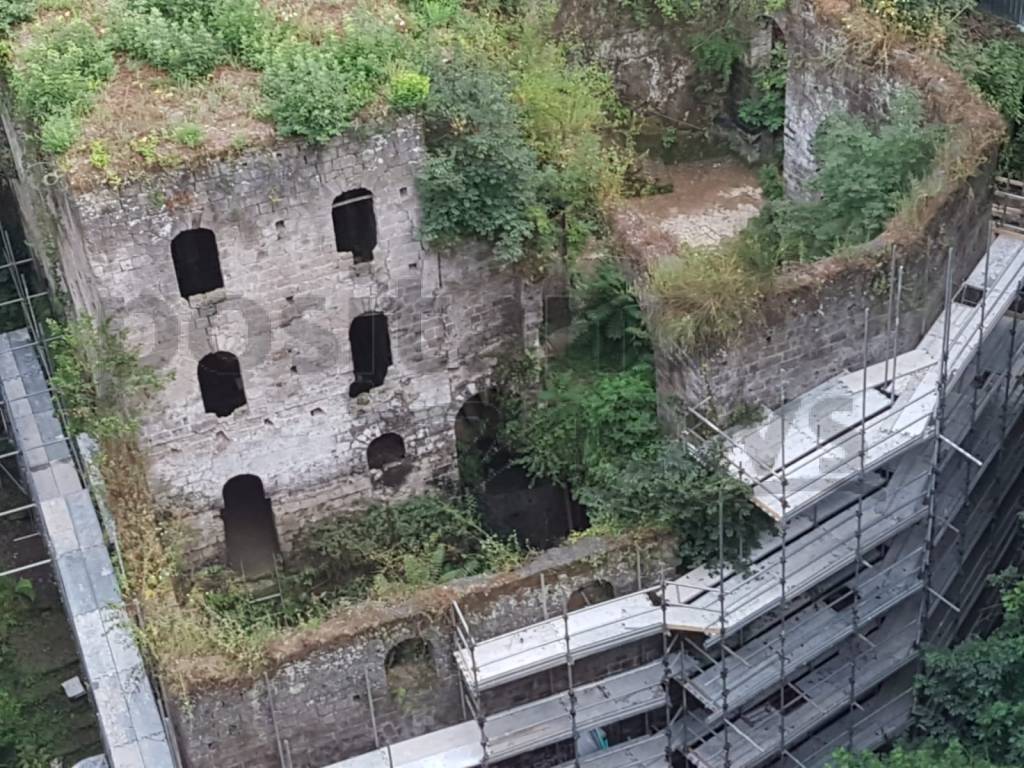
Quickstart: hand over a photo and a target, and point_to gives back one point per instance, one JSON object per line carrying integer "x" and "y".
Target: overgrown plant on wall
{"x": 387, "y": 552}
{"x": 766, "y": 107}
{"x": 593, "y": 429}
{"x": 865, "y": 175}
{"x": 995, "y": 67}
{"x": 527, "y": 147}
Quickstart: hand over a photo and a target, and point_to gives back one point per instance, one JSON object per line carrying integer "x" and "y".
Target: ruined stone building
{"x": 317, "y": 356}
{"x": 317, "y": 353}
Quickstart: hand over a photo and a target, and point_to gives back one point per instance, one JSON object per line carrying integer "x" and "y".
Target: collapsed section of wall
{"x": 812, "y": 324}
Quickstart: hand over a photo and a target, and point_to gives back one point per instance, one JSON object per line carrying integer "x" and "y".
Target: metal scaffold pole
{"x": 937, "y": 427}
{"x": 721, "y": 622}
{"x": 859, "y": 537}
{"x": 572, "y": 689}
{"x": 782, "y": 570}
{"x": 666, "y": 675}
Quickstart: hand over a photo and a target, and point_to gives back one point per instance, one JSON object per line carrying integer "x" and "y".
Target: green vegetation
{"x": 37, "y": 722}
{"x": 766, "y": 108}
{"x": 995, "y": 67}
{"x": 594, "y": 430}
{"x": 98, "y": 378}
{"x": 56, "y": 79}
{"x": 932, "y": 756}
{"x": 865, "y": 176}
{"x": 527, "y": 146}
{"x": 931, "y": 21}
{"x": 518, "y": 154}
{"x": 975, "y": 691}
{"x": 188, "y": 134}
{"x": 608, "y": 328}
{"x": 14, "y": 12}
{"x": 392, "y": 549}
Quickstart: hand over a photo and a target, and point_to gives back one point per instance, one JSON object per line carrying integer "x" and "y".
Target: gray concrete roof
{"x": 130, "y": 722}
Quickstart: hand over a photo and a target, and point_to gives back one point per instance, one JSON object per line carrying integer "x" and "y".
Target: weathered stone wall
{"x": 285, "y": 310}
{"x": 648, "y": 57}
{"x": 51, "y": 223}
{"x": 322, "y": 688}
{"x": 813, "y": 322}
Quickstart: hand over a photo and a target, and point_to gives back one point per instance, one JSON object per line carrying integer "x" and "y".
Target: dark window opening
{"x": 969, "y": 295}
{"x": 196, "y": 262}
{"x": 371, "y": 352}
{"x": 220, "y": 382}
{"x": 590, "y": 594}
{"x": 387, "y": 449}
{"x": 250, "y": 536}
{"x": 355, "y": 224}
{"x": 409, "y": 666}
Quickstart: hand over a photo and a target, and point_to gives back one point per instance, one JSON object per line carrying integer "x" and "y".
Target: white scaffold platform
{"x": 845, "y": 469}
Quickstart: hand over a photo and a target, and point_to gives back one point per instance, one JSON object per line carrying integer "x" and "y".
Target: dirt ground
{"x": 710, "y": 200}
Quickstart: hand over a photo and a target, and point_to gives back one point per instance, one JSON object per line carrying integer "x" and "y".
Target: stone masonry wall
{"x": 647, "y": 58}
{"x": 285, "y": 310}
{"x": 813, "y": 322}
{"x": 321, "y": 691}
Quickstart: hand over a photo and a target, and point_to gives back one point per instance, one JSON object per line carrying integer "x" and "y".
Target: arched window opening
{"x": 250, "y": 535}
{"x": 371, "y": 352}
{"x": 196, "y": 262}
{"x": 355, "y": 224}
{"x": 409, "y": 666}
{"x": 385, "y": 450}
{"x": 590, "y": 594}
{"x": 220, "y": 382}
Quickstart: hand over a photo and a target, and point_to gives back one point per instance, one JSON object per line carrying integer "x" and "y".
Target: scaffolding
{"x": 135, "y": 727}
{"x": 888, "y": 486}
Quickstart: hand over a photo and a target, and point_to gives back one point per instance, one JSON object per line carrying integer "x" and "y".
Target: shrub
{"x": 188, "y": 134}
{"x": 246, "y": 29}
{"x": 766, "y": 109}
{"x": 864, "y": 176}
{"x": 580, "y": 423}
{"x": 704, "y": 296}
{"x": 568, "y": 114}
{"x": 996, "y": 68}
{"x": 57, "y": 76}
{"x": 716, "y": 53}
{"x": 58, "y": 133}
{"x": 481, "y": 179}
{"x": 665, "y": 487}
{"x": 182, "y": 45}
{"x": 931, "y": 20}
{"x": 421, "y": 541}
{"x": 310, "y": 93}
{"x": 608, "y": 328}
{"x": 14, "y": 12}
{"x": 408, "y": 91}
{"x": 952, "y": 755}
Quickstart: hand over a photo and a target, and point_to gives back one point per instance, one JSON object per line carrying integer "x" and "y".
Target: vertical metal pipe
{"x": 784, "y": 504}
{"x": 896, "y": 330}
{"x": 373, "y": 709}
{"x": 936, "y": 456}
{"x": 572, "y": 689}
{"x": 723, "y": 672}
{"x": 855, "y": 616}
{"x": 666, "y": 677}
